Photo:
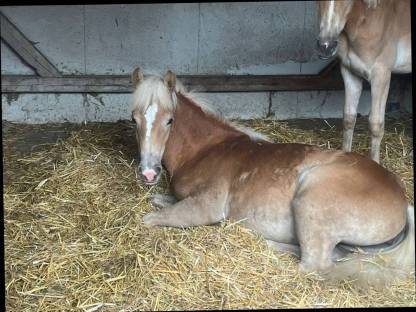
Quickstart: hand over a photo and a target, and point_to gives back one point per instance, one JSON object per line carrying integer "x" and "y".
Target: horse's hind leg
{"x": 316, "y": 235}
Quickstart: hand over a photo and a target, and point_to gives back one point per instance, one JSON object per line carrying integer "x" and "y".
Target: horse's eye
{"x": 169, "y": 122}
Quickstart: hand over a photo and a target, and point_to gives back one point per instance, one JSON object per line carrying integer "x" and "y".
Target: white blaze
{"x": 330, "y": 12}
{"x": 327, "y": 22}
{"x": 150, "y": 117}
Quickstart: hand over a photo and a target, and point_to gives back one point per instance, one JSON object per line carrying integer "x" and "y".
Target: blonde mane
{"x": 153, "y": 88}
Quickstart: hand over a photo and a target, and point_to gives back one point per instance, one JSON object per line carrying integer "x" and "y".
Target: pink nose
{"x": 150, "y": 174}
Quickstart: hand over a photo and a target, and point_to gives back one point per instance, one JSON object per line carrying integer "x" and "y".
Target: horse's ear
{"x": 170, "y": 80}
{"x": 136, "y": 76}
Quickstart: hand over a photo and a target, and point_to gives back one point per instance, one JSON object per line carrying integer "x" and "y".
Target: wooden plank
{"x": 333, "y": 70}
{"x": 24, "y": 48}
{"x": 122, "y": 84}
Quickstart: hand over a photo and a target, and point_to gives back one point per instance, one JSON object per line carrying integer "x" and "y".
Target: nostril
{"x": 158, "y": 169}
{"x": 322, "y": 45}
{"x": 149, "y": 174}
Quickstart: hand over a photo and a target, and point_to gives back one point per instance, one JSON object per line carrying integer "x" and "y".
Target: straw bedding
{"x": 75, "y": 240}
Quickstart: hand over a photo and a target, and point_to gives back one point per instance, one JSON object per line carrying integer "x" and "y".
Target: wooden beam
{"x": 25, "y": 49}
{"x": 122, "y": 84}
{"x": 331, "y": 68}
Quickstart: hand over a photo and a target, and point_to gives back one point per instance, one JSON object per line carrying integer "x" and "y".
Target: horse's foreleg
{"x": 353, "y": 88}
{"x": 162, "y": 200}
{"x": 380, "y": 83}
{"x": 203, "y": 209}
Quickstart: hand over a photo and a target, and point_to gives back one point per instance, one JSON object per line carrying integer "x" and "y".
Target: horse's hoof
{"x": 304, "y": 268}
{"x": 150, "y": 218}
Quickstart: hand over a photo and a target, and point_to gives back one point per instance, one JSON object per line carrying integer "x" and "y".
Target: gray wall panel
{"x": 152, "y": 36}
{"x": 57, "y": 31}
{"x": 11, "y": 64}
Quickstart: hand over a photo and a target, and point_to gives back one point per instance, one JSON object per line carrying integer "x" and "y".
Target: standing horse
{"x": 301, "y": 198}
{"x": 372, "y": 38}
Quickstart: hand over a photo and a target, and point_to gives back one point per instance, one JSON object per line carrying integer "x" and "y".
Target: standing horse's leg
{"x": 380, "y": 83}
{"x": 353, "y": 88}
{"x": 203, "y": 209}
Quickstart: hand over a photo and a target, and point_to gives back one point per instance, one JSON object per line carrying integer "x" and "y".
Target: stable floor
{"x": 74, "y": 236}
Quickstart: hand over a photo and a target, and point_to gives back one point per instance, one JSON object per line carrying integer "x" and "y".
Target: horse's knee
{"x": 377, "y": 129}
{"x": 349, "y": 122}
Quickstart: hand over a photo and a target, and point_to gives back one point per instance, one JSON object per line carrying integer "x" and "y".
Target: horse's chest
{"x": 353, "y": 61}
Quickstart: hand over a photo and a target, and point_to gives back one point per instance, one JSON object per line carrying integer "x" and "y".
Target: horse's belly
{"x": 266, "y": 212}
{"x": 277, "y": 229}
{"x": 403, "y": 62}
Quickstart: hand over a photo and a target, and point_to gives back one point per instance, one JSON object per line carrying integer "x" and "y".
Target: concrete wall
{"x": 192, "y": 38}
{"x": 42, "y": 108}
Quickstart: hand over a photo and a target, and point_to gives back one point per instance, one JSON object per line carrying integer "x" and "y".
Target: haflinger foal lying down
{"x": 319, "y": 204}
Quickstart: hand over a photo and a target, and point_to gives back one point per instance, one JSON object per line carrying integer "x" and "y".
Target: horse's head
{"x": 333, "y": 16}
{"x": 153, "y": 108}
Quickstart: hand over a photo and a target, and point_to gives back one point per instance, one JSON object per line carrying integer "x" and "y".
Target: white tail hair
{"x": 384, "y": 268}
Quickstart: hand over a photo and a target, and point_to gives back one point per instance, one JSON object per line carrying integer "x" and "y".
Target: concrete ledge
{"x": 313, "y": 104}
{"x": 244, "y": 105}
{"x": 78, "y": 108}
{"x": 43, "y": 108}
{"x": 105, "y": 107}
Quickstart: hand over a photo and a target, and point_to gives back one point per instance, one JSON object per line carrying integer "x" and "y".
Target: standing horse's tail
{"x": 380, "y": 267}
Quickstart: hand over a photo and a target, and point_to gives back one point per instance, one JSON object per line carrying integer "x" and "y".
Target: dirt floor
{"x": 74, "y": 237}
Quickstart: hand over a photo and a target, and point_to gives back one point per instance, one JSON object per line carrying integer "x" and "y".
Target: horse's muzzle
{"x": 326, "y": 48}
{"x": 150, "y": 176}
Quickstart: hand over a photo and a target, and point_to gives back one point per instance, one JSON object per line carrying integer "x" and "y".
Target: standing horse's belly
{"x": 403, "y": 62}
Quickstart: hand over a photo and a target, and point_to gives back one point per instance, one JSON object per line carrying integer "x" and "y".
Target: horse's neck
{"x": 193, "y": 131}
{"x": 366, "y": 24}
